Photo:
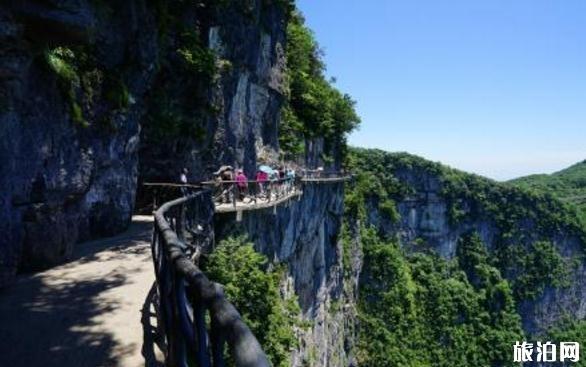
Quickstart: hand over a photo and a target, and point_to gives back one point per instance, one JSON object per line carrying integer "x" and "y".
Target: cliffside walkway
{"x": 258, "y": 195}
{"x": 104, "y": 308}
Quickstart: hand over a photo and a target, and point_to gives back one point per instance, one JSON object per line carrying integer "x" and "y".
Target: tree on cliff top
{"x": 315, "y": 107}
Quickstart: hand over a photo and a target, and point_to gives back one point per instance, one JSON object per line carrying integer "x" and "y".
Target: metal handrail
{"x": 186, "y": 295}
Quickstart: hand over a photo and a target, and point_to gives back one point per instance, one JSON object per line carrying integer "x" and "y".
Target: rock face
{"x": 235, "y": 107}
{"x": 304, "y": 235}
{"x": 424, "y": 218}
{"x": 184, "y": 85}
{"x": 137, "y": 91}
{"x": 64, "y": 181}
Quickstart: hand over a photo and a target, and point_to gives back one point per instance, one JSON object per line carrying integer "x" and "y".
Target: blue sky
{"x": 495, "y": 87}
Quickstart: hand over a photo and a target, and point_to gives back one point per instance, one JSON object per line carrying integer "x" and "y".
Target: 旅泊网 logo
{"x": 546, "y": 352}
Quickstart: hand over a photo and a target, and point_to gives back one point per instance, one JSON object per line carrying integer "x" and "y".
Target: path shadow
{"x": 42, "y": 326}
{"x": 56, "y": 318}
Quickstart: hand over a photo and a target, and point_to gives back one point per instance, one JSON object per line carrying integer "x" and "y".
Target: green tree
{"x": 254, "y": 291}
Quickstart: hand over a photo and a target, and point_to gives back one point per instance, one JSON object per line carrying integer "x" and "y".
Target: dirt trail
{"x": 87, "y": 312}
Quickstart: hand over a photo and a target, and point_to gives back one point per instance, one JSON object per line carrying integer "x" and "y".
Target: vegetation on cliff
{"x": 569, "y": 185}
{"x": 416, "y": 308}
{"x": 421, "y": 310}
{"x": 253, "y": 288}
{"x": 315, "y": 107}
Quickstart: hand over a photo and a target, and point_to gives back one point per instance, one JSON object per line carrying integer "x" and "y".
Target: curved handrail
{"x": 186, "y": 294}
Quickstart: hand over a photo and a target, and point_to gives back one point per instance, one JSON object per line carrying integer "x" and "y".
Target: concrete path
{"x": 95, "y": 310}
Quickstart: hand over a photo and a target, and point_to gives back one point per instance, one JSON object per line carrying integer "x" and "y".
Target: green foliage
{"x": 568, "y": 185}
{"x": 539, "y": 266}
{"x": 315, "y": 107}
{"x": 61, "y": 61}
{"x": 77, "y": 115}
{"x": 254, "y": 291}
{"x": 569, "y": 330}
{"x": 468, "y": 196}
{"x": 421, "y": 310}
{"x": 389, "y": 209}
{"x": 196, "y": 56}
{"x": 418, "y": 309}
{"x": 180, "y": 106}
{"x": 84, "y": 83}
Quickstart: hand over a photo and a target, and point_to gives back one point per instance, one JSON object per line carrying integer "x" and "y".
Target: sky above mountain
{"x": 495, "y": 87}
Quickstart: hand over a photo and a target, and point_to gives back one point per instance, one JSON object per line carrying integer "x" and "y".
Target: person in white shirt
{"x": 183, "y": 181}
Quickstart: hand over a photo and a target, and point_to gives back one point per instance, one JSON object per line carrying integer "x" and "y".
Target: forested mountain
{"x": 568, "y": 184}
{"x": 456, "y": 267}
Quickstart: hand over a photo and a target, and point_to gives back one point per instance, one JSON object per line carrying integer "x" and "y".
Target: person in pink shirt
{"x": 261, "y": 179}
{"x": 241, "y": 184}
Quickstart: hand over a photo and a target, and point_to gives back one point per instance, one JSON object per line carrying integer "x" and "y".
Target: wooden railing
{"x": 195, "y": 317}
{"x": 186, "y": 295}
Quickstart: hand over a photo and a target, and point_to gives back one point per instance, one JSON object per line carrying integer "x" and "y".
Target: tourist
{"x": 261, "y": 180}
{"x": 290, "y": 176}
{"x": 183, "y": 181}
{"x": 274, "y": 179}
{"x": 241, "y": 184}
{"x": 224, "y": 177}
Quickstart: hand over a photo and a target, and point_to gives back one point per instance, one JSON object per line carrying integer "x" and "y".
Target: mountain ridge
{"x": 568, "y": 185}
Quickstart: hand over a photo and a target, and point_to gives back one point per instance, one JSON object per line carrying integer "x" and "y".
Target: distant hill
{"x": 569, "y": 185}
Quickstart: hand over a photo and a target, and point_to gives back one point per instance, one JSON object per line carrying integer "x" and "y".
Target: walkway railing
{"x": 186, "y": 295}
{"x": 196, "y": 319}
{"x": 237, "y": 196}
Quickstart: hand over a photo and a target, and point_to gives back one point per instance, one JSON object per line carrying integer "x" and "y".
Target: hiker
{"x": 224, "y": 177}
{"x": 319, "y": 171}
{"x": 290, "y": 178}
{"x": 274, "y": 179}
{"x": 261, "y": 180}
{"x": 281, "y": 180}
{"x": 241, "y": 184}
{"x": 183, "y": 181}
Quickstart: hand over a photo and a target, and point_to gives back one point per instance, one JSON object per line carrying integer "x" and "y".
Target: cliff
{"x": 304, "y": 236}
{"x": 90, "y": 89}
{"x": 69, "y": 123}
{"x": 535, "y": 241}
{"x": 98, "y": 97}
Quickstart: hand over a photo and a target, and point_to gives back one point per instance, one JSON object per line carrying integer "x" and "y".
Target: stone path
{"x": 95, "y": 310}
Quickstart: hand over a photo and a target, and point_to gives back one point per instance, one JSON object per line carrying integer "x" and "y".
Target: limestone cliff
{"x": 88, "y": 89}
{"x": 69, "y": 151}
{"x": 304, "y": 235}
{"x": 429, "y": 206}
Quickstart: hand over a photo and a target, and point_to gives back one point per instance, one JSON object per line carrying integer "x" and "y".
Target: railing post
{"x": 176, "y": 342}
{"x": 217, "y": 341}
{"x": 234, "y": 190}
{"x": 199, "y": 326}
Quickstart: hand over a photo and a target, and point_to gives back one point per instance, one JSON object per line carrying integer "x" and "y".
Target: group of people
{"x": 268, "y": 182}
{"x": 233, "y": 183}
